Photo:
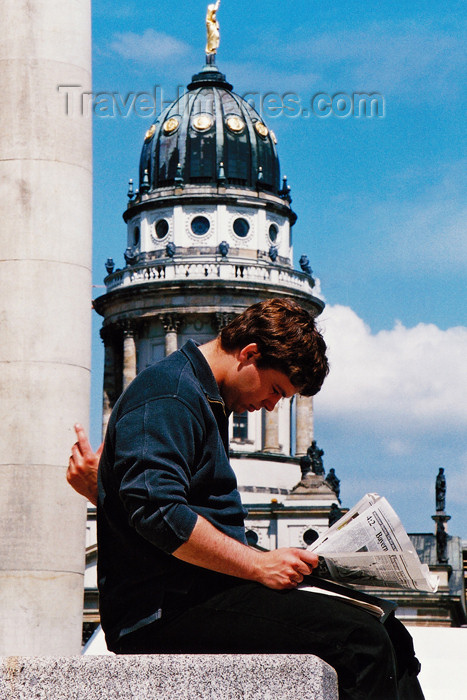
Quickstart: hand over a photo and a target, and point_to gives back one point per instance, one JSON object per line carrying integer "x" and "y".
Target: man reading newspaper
{"x": 175, "y": 572}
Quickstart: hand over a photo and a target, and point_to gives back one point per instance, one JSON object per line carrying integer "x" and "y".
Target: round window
{"x": 241, "y": 227}
{"x": 200, "y": 225}
{"x": 251, "y": 537}
{"x": 273, "y": 232}
{"x": 309, "y": 536}
{"x": 162, "y": 228}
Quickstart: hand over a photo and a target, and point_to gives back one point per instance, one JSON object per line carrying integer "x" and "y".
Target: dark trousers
{"x": 248, "y": 618}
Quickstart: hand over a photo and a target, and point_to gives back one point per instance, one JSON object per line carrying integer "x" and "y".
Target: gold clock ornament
{"x": 202, "y": 122}
{"x": 261, "y": 129}
{"x": 171, "y": 125}
{"x": 150, "y": 133}
{"x": 235, "y": 124}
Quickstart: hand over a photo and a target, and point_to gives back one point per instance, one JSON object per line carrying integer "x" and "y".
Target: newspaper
{"x": 368, "y": 546}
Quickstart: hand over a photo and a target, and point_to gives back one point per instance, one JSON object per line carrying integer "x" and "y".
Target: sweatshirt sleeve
{"x": 157, "y": 449}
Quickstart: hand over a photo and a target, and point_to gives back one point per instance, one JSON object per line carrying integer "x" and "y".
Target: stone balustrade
{"x": 155, "y": 271}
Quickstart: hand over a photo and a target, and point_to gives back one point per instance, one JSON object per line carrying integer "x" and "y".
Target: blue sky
{"x": 380, "y": 201}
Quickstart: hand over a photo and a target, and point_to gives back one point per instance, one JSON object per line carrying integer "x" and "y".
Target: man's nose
{"x": 270, "y": 403}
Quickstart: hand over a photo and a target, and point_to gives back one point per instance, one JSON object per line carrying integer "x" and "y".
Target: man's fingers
{"x": 83, "y": 442}
{"x": 303, "y": 569}
{"x": 71, "y": 471}
{"x": 305, "y": 563}
{"x": 309, "y": 558}
{"x": 99, "y": 449}
{"x": 76, "y": 454}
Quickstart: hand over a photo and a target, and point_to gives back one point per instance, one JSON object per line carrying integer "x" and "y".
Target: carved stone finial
{"x": 224, "y": 248}
{"x": 260, "y": 176}
{"x": 145, "y": 182}
{"x": 130, "y": 256}
{"x": 221, "y": 178}
{"x": 305, "y": 264}
{"x": 273, "y": 253}
{"x": 170, "y": 249}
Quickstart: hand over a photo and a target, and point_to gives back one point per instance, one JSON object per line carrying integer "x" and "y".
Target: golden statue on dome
{"x": 212, "y": 28}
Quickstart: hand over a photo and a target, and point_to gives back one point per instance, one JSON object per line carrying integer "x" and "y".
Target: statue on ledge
{"x": 334, "y": 483}
{"x": 307, "y": 475}
{"x": 316, "y": 456}
{"x": 311, "y": 466}
{"x": 440, "y": 491}
{"x": 335, "y": 514}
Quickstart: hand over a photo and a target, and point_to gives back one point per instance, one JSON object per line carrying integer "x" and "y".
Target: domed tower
{"x": 208, "y": 234}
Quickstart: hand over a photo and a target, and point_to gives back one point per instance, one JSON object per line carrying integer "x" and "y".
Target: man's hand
{"x": 212, "y": 549}
{"x": 82, "y": 466}
{"x": 285, "y": 567}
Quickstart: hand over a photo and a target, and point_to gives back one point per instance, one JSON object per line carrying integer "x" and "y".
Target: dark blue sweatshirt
{"x": 165, "y": 461}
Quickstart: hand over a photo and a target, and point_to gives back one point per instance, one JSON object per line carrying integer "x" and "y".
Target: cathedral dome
{"x": 208, "y": 136}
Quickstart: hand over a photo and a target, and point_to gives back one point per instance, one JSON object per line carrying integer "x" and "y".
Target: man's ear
{"x": 248, "y": 354}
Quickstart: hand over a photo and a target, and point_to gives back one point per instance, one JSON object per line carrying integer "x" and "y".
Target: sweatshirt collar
{"x": 202, "y": 370}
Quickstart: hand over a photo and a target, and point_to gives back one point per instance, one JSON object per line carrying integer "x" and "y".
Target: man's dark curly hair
{"x": 287, "y": 340}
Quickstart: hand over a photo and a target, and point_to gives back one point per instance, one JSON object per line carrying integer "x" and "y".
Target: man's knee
{"x": 371, "y": 638}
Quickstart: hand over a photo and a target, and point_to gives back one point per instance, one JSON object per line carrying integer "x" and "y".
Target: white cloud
{"x": 149, "y": 47}
{"x": 406, "y": 381}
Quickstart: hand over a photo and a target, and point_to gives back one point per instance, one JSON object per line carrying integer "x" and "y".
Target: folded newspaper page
{"x": 373, "y": 609}
{"x": 368, "y": 546}
{"x": 379, "y": 607}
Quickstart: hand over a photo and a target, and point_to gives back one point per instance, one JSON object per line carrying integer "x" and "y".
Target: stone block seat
{"x": 160, "y": 677}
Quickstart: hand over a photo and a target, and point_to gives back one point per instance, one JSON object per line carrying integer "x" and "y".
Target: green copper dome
{"x": 210, "y": 136}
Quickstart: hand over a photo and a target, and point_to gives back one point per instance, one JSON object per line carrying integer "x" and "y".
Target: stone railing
{"x": 184, "y": 677}
{"x": 155, "y": 271}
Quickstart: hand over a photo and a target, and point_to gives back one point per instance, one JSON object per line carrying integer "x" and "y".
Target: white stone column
{"x": 171, "y": 324}
{"x": 271, "y": 431}
{"x": 45, "y": 316}
{"x": 303, "y": 424}
{"x": 129, "y": 355}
